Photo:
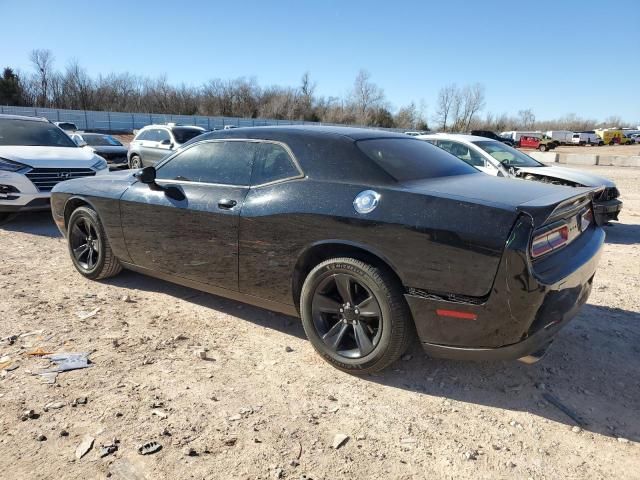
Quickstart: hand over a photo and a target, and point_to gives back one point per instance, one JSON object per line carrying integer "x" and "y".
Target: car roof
{"x": 455, "y": 136}
{"x": 23, "y": 117}
{"x": 352, "y": 133}
{"x": 164, "y": 125}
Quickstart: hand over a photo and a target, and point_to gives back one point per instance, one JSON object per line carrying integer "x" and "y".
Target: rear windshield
{"x": 101, "y": 140}
{"x": 409, "y": 159}
{"x": 184, "y": 134}
{"x": 32, "y": 133}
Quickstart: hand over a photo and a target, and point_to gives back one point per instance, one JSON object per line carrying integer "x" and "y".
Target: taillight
{"x": 585, "y": 220}
{"x": 549, "y": 241}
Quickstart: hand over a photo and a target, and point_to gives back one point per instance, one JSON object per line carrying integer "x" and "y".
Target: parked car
{"x": 633, "y": 137}
{"x": 66, "y": 126}
{"x": 154, "y": 142}
{"x": 371, "y": 236}
{"x": 495, "y": 158}
{"x": 543, "y": 144}
{"x": 108, "y": 147}
{"x": 35, "y": 155}
{"x": 586, "y": 138}
{"x": 493, "y": 136}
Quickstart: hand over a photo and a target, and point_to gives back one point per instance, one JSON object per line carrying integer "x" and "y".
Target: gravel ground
{"x": 263, "y": 404}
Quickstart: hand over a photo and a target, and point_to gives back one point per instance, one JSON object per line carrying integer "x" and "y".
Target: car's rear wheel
{"x": 355, "y": 315}
{"x": 543, "y": 148}
{"x": 135, "y": 162}
{"x": 89, "y": 247}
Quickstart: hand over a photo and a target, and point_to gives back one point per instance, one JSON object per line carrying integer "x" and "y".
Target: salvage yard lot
{"x": 264, "y": 405}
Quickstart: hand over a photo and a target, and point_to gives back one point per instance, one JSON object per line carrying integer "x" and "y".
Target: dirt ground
{"x": 263, "y": 405}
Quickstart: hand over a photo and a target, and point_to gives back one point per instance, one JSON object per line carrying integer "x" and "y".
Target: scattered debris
{"x": 64, "y": 433}
{"x": 201, "y": 353}
{"x": 88, "y": 315}
{"x": 10, "y": 339}
{"x": 288, "y": 349}
{"x": 109, "y": 448}
{"x": 38, "y": 352}
{"x": 576, "y": 429}
{"x": 159, "y": 413}
{"x": 470, "y": 455}
{"x": 235, "y": 418}
{"x": 564, "y": 409}
{"x": 84, "y": 446}
{"x": 623, "y": 440}
{"x": 127, "y": 299}
{"x": 190, "y": 452}
{"x": 149, "y": 448}
{"x": 53, "y": 406}
{"x": 339, "y": 440}
{"x": 230, "y": 442}
{"x": 41, "y": 438}
{"x": 332, "y": 398}
{"x": 67, "y": 361}
{"x": 79, "y": 401}
{"x": 29, "y": 414}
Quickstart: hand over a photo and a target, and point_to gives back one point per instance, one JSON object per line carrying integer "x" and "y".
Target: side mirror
{"x": 80, "y": 142}
{"x": 168, "y": 142}
{"x": 146, "y": 175}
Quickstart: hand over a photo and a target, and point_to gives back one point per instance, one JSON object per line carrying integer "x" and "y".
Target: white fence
{"x": 127, "y": 122}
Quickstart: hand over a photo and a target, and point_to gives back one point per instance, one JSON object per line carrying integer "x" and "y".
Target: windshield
{"x": 184, "y": 134}
{"x": 101, "y": 140}
{"x": 507, "y": 156}
{"x": 411, "y": 159}
{"x": 32, "y": 133}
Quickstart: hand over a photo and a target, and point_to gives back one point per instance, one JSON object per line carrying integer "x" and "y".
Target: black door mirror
{"x": 166, "y": 141}
{"x": 147, "y": 175}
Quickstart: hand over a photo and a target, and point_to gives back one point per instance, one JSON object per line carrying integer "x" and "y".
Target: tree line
{"x": 457, "y": 109}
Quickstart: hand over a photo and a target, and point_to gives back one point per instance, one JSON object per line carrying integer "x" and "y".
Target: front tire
{"x": 355, "y": 315}
{"x": 89, "y": 246}
{"x": 135, "y": 162}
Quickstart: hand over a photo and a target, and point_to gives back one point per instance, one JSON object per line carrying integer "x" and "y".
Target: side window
{"x": 227, "y": 163}
{"x": 143, "y": 135}
{"x": 272, "y": 163}
{"x": 161, "y": 135}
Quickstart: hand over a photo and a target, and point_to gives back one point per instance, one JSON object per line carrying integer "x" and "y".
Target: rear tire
{"x": 89, "y": 246}
{"x": 542, "y": 148}
{"x": 374, "y": 307}
{"x": 135, "y": 162}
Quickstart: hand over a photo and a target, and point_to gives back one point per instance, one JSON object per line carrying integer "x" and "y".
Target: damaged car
{"x": 373, "y": 238}
{"x": 496, "y": 158}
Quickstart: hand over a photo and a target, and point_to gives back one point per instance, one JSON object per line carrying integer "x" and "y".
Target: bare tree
{"x": 444, "y": 104}
{"x": 527, "y": 118}
{"x": 42, "y": 61}
{"x": 366, "y": 97}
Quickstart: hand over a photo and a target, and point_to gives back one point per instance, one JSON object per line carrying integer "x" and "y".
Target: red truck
{"x": 541, "y": 144}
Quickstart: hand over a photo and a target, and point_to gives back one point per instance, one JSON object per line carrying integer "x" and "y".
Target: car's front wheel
{"x": 135, "y": 162}
{"x": 355, "y": 315}
{"x": 89, "y": 247}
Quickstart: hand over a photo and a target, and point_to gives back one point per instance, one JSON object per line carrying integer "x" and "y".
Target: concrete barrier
{"x": 579, "y": 159}
{"x": 545, "y": 157}
{"x": 607, "y": 160}
{"x": 620, "y": 161}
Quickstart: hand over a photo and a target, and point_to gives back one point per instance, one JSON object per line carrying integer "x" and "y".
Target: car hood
{"x": 108, "y": 149}
{"x": 570, "y": 175}
{"x": 49, "y": 157}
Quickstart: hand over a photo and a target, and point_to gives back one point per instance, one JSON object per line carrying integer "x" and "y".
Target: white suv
{"x": 35, "y": 155}
{"x": 154, "y": 142}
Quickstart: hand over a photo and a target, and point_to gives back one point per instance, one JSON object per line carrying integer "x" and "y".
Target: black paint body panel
{"x": 464, "y": 236}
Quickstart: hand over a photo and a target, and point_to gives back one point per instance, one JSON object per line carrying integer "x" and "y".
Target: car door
{"x": 195, "y": 237}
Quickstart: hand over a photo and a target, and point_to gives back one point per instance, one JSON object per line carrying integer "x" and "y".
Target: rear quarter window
{"x": 410, "y": 159}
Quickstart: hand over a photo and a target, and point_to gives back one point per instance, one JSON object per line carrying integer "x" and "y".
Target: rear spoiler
{"x": 547, "y": 209}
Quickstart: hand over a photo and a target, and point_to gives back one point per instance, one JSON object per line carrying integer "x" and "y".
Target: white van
{"x": 563, "y": 137}
{"x": 586, "y": 138}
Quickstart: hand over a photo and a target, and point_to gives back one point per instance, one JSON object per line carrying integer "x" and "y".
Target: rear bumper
{"x": 606, "y": 211}
{"x": 526, "y": 308}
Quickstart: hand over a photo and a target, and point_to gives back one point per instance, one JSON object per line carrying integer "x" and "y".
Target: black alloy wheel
{"x": 85, "y": 243}
{"x": 89, "y": 247}
{"x": 347, "y": 316}
{"x": 355, "y": 314}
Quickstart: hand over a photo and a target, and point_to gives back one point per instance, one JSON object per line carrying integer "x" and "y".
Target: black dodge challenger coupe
{"x": 369, "y": 236}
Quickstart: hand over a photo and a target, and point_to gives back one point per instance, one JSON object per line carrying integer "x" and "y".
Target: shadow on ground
{"x": 35, "y": 223}
{"x": 622, "y": 233}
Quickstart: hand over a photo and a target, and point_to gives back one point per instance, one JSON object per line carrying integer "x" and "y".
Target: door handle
{"x": 227, "y": 204}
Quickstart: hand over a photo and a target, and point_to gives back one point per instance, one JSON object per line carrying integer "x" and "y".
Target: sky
{"x": 555, "y": 57}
